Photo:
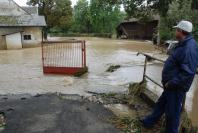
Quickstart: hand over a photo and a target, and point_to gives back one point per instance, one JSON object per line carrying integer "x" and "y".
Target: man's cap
{"x": 185, "y": 26}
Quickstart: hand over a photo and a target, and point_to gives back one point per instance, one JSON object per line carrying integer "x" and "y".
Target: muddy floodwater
{"x": 21, "y": 71}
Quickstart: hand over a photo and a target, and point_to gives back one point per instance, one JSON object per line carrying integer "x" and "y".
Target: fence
{"x": 63, "y": 57}
{"x": 148, "y": 57}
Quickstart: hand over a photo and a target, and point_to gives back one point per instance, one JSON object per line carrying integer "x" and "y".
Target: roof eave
{"x": 23, "y": 26}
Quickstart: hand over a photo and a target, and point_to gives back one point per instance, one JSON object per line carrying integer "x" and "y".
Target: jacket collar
{"x": 189, "y": 37}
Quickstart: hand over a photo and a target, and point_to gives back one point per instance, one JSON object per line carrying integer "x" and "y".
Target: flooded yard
{"x": 21, "y": 71}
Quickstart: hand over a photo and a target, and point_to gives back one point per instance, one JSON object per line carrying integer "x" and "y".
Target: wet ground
{"x": 50, "y": 114}
{"x": 21, "y": 71}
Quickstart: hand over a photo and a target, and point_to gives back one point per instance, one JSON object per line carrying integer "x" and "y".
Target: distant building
{"x": 135, "y": 29}
{"x": 20, "y": 27}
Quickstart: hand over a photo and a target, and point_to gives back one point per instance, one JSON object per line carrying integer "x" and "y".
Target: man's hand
{"x": 166, "y": 86}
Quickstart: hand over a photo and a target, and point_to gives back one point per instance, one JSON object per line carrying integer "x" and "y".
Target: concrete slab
{"x": 51, "y": 114}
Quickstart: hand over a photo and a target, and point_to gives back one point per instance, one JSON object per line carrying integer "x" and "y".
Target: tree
{"x": 58, "y": 13}
{"x": 194, "y": 4}
{"x": 162, "y": 6}
{"x": 178, "y": 10}
{"x": 105, "y": 16}
{"x": 97, "y": 17}
{"x": 133, "y": 7}
{"x": 82, "y": 18}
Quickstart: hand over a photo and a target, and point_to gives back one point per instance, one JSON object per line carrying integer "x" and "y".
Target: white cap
{"x": 185, "y": 26}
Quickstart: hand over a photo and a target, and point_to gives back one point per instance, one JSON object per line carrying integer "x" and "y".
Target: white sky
{"x": 23, "y": 2}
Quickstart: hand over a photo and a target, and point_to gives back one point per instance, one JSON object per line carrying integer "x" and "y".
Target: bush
{"x": 59, "y": 34}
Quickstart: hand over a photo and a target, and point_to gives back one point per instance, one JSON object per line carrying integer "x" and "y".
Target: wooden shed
{"x": 138, "y": 30}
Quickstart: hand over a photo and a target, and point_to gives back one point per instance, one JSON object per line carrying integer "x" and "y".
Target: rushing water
{"x": 21, "y": 71}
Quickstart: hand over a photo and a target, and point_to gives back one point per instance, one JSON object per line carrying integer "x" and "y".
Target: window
{"x": 27, "y": 37}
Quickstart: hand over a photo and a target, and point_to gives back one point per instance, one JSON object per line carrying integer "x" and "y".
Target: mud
{"x": 135, "y": 106}
{"x": 128, "y": 114}
{"x": 193, "y": 112}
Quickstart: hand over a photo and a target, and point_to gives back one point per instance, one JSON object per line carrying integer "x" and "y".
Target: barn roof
{"x": 131, "y": 20}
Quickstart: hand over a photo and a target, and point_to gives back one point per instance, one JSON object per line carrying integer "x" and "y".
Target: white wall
{"x": 13, "y": 41}
{"x": 36, "y": 37}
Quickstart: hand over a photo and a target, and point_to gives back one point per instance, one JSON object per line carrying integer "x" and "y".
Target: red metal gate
{"x": 63, "y": 57}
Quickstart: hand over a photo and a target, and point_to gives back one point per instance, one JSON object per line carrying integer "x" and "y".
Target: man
{"x": 177, "y": 77}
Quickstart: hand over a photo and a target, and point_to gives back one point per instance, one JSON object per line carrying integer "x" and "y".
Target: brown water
{"x": 21, "y": 70}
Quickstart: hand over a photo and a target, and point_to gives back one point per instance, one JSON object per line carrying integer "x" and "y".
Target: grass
{"x": 136, "y": 89}
{"x": 2, "y": 121}
{"x": 126, "y": 124}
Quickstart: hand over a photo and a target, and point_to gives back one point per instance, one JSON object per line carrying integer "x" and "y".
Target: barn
{"x": 20, "y": 27}
{"x": 138, "y": 30}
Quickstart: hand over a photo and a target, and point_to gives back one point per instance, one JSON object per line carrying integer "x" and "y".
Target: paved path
{"x": 50, "y": 114}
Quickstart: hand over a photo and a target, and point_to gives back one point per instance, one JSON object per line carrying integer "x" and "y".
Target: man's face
{"x": 178, "y": 34}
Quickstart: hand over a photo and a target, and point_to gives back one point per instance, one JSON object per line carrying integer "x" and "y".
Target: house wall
{"x": 36, "y": 37}
{"x": 13, "y": 41}
{"x": 6, "y": 30}
{"x": 35, "y": 32}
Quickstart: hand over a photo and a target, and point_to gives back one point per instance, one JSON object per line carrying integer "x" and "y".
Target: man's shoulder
{"x": 190, "y": 44}
{"x": 192, "y": 41}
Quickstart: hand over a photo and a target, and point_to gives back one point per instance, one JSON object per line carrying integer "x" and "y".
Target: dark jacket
{"x": 180, "y": 68}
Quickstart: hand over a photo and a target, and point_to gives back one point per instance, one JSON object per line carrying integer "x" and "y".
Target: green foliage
{"x": 162, "y": 6}
{"x": 136, "y": 89}
{"x": 63, "y": 34}
{"x": 82, "y": 17}
{"x": 131, "y": 7}
{"x": 166, "y": 32}
{"x": 2, "y": 121}
{"x": 136, "y": 8}
{"x": 97, "y": 17}
{"x": 194, "y": 4}
{"x": 58, "y": 13}
{"x": 178, "y": 10}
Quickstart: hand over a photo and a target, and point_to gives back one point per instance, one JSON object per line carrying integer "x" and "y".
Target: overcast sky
{"x": 23, "y": 2}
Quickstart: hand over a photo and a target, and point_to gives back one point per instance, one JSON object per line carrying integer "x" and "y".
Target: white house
{"x": 20, "y": 27}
